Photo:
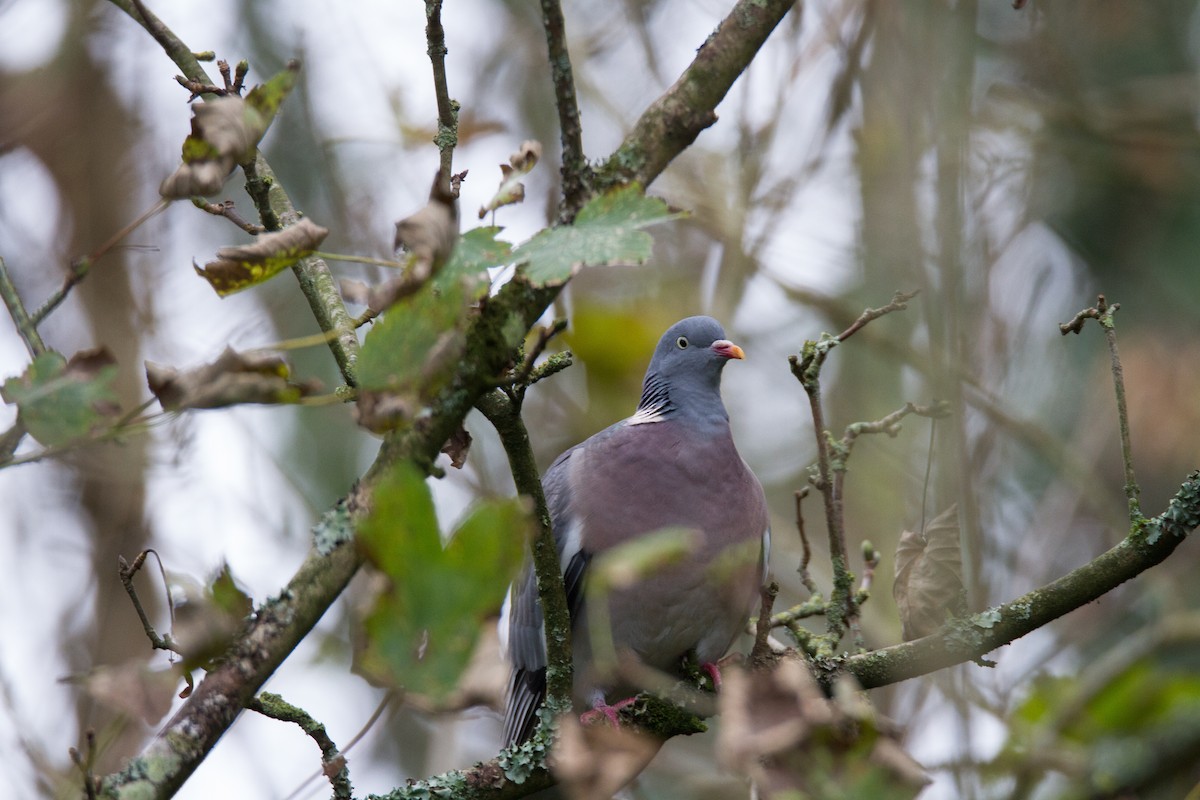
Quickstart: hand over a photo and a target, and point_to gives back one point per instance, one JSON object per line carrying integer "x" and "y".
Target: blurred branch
{"x": 1105, "y": 314}
{"x": 16, "y": 309}
{"x": 447, "y": 135}
{"x": 672, "y": 123}
{"x": 333, "y": 763}
{"x": 1148, "y": 543}
{"x": 576, "y": 174}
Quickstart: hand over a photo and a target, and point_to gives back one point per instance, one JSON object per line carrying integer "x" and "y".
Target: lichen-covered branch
{"x": 672, "y": 123}
{"x": 332, "y": 761}
{"x": 447, "y": 135}
{"x": 576, "y": 173}
{"x": 505, "y": 415}
{"x": 1148, "y": 543}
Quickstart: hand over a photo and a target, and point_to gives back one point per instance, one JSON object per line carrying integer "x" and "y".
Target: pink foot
{"x": 713, "y": 672}
{"x": 603, "y": 709}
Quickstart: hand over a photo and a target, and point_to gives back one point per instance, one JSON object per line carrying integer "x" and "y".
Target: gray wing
{"x": 526, "y": 637}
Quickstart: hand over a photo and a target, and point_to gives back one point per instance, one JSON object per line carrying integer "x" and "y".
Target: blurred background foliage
{"x": 1009, "y": 163}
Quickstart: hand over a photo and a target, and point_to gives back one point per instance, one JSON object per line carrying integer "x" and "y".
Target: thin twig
{"x": 762, "y": 632}
{"x": 576, "y": 174}
{"x": 226, "y": 209}
{"x": 388, "y": 697}
{"x": 899, "y": 303}
{"x": 806, "y": 553}
{"x": 1105, "y": 314}
{"x": 890, "y": 424}
{"x": 86, "y": 764}
{"x": 521, "y": 377}
{"x": 26, "y": 327}
{"x": 333, "y": 761}
{"x": 80, "y": 268}
{"x": 447, "y": 135}
{"x": 127, "y": 571}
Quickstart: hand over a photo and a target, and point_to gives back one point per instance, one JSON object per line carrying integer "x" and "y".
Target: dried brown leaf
{"x": 457, "y": 446}
{"x": 240, "y": 266}
{"x": 929, "y": 583}
{"x": 233, "y": 378}
{"x": 511, "y": 189}
{"x": 430, "y": 234}
{"x": 223, "y": 135}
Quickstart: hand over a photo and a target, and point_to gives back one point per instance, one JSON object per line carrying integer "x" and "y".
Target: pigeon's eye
{"x": 682, "y": 342}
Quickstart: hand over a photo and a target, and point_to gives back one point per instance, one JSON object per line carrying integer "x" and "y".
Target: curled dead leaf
{"x": 519, "y": 165}
{"x": 240, "y": 266}
{"x": 232, "y": 379}
{"x": 457, "y": 446}
{"x": 430, "y": 234}
{"x": 224, "y": 133}
{"x": 929, "y": 583}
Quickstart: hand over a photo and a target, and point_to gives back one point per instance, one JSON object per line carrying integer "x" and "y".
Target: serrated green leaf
{"x": 410, "y": 355}
{"x": 60, "y": 401}
{"x": 608, "y": 230}
{"x": 422, "y": 631}
{"x": 477, "y": 250}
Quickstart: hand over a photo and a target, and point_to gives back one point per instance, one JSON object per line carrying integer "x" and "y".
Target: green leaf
{"x": 266, "y": 98}
{"x": 477, "y": 250}
{"x": 423, "y": 629}
{"x": 60, "y": 401}
{"x": 608, "y": 230}
{"x": 410, "y": 355}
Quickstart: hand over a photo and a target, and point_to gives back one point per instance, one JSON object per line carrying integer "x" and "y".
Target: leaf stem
{"x": 26, "y": 327}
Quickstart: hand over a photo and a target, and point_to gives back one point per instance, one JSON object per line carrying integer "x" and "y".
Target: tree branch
{"x": 333, "y": 763}
{"x": 504, "y": 413}
{"x": 1148, "y": 543}
{"x": 576, "y": 174}
{"x": 674, "y": 121}
{"x": 447, "y": 135}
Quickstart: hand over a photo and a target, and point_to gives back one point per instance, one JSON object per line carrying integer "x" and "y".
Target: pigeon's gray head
{"x": 684, "y": 375}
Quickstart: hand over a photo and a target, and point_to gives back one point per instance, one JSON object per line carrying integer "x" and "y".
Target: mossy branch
{"x": 1148, "y": 543}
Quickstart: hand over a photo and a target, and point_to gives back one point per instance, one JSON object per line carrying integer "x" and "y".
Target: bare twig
{"x": 762, "y": 632}
{"x": 26, "y": 327}
{"x": 127, "y": 571}
{"x": 80, "y": 268}
{"x": 806, "y": 553}
{"x": 576, "y": 174}
{"x": 333, "y": 762}
{"x": 197, "y": 88}
{"x": 447, "y": 135}
{"x": 520, "y": 378}
{"x": 1105, "y": 314}
{"x": 899, "y": 303}
{"x": 86, "y": 764}
{"x": 226, "y": 209}
{"x": 890, "y": 424}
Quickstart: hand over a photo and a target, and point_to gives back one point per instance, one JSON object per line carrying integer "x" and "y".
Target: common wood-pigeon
{"x": 672, "y": 464}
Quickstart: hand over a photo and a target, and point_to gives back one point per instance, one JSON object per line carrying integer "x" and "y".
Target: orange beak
{"x": 724, "y": 347}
